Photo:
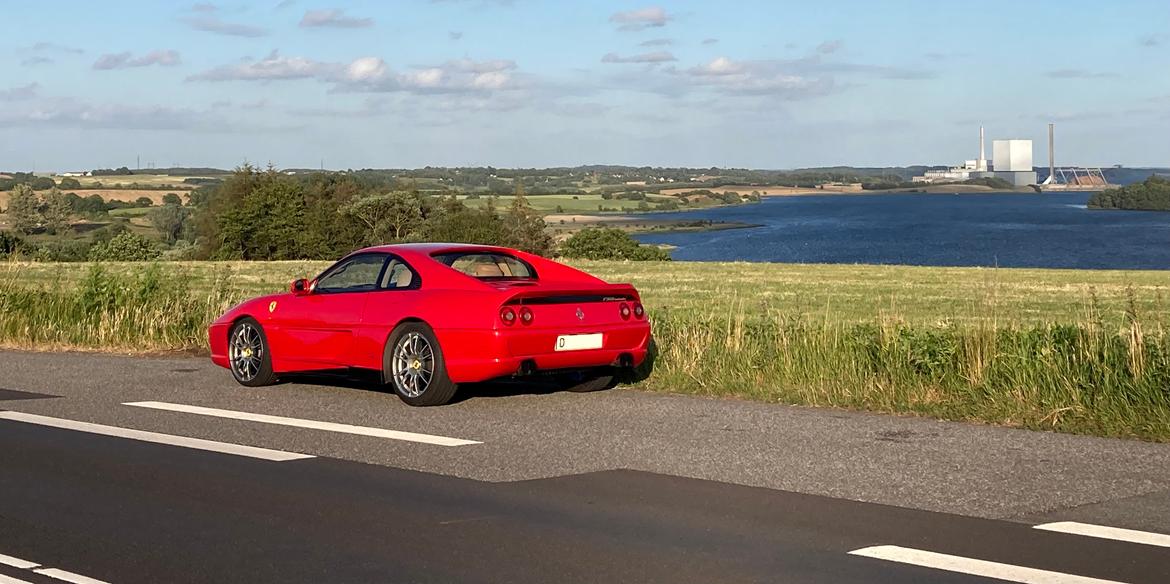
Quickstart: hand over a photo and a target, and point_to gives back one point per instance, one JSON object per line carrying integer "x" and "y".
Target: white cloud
{"x": 207, "y": 21}
{"x": 366, "y": 69}
{"x": 165, "y": 58}
{"x": 718, "y": 66}
{"x": 333, "y": 19}
{"x": 654, "y": 57}
{"x": 642, "y": 18}
{"x": 710, "y": 41}
{"x": 22, "y": 92}
{"x": 273, "y": 67}
{"x": 657, "y": 43}
{"x": 759, "y": 78}
{"x": 372, "y": 74}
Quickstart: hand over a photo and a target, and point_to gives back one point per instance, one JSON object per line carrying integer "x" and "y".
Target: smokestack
{"x": 1051, "y": 151}
{"x": 982, "y": 156}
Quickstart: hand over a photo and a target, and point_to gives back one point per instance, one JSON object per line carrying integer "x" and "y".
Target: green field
{"x": 1075, "y": 351}
{"x": 585, "y": 203}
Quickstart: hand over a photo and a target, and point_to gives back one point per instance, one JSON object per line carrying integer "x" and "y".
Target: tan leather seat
{"x": 488, "y": 271}
{"x": 403, "y": 279}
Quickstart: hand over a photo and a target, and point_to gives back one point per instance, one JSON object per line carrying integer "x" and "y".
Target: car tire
{"x": 411, "y": 352}
{"x": 249, "y": 356}
{"x": 590, "y": 382}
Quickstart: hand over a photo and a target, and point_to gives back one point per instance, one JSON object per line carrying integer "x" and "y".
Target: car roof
{"x": 431, "y": 248}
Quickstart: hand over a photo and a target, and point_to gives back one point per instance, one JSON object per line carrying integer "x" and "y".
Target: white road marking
{"x": 1101, "y": 531}
{"x": 10, "y": 580}
{"x": 17, "y": 562}
{"x": 68, "y": 576}
{"x": 143, "y": 436}
{"x": 312, "y": 424}
{"x": 986, "y": 569}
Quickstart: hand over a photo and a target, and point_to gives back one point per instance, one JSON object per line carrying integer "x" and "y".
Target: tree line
{"x": 1153, "y": 194}
{"x": 256, "y": 214}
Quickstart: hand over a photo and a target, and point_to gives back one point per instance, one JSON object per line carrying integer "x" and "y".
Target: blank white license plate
{"x": 578, "y": 342}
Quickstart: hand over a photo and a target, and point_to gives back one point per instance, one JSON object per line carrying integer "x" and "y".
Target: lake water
{"x": 990, "y": 229}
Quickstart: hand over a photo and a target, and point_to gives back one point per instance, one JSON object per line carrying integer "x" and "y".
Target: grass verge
{"x": 1083, "y": 352}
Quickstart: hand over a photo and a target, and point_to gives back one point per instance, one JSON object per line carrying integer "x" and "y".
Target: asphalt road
{"x": 126, "y": 470}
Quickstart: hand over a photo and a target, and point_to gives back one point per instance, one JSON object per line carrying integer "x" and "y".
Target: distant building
{"x": 957, "y": 173}
{"x": 1011, "y": 161}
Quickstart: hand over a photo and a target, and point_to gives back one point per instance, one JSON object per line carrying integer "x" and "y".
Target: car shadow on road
{"x": 370, "y": 381}
{"x": 365, "y": 380}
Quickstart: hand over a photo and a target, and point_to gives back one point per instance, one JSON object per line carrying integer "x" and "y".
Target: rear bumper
{"x": 479, "y": 355}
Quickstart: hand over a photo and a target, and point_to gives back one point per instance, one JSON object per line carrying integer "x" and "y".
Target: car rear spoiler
{"x": 559, "y": 294}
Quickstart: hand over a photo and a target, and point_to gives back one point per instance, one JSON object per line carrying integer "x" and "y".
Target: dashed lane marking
{"x": 66, "y": 576}
{"x": 56, "y": 573}
{"x": 1104, "y": 532}
{"x": 17, "y": 562}
{"x": 143, "y": 436}
{"x": 984, "y": 568}
{"x": 311, "y": 424}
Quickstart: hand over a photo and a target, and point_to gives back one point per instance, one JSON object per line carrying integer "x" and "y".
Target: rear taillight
{"x": 624, "y": 310}
{"x": 638, "y": 310}
{"x": 508, "y": 316}
{"x": 526, "y": 315}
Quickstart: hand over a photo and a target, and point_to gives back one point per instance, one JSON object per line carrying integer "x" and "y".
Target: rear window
{"x": 488, "y": 265}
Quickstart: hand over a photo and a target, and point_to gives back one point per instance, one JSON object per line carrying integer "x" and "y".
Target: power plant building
{"x": 1011, "y": 161}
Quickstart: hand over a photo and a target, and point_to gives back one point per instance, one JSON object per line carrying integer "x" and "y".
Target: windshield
{"x": 488, "y": 265}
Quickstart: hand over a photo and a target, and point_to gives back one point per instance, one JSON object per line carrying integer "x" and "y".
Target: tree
{"x": 143, "y": 202}
{"x": 169, "y": 220}
{"x": 525, "y": 227}
{"x": 170, "y": 199}
{"x": 42, "y": 183}
{"x": 24, "y": 209}
{"x": 609, "y": 244}
{"x": 56, "y": 212}
{"x": 389, "y": 217}
{"x": 70, "y": 183}
{"x": 257, "y": 216}
{"x": 124, "y": 247}
{"x": 452, "y": 221}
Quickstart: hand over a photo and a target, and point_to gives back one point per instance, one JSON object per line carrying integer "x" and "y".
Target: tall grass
{"x": 1083, "y": 374}
{"x": 146, "y": 312}
{"x": 1074, "y": 377}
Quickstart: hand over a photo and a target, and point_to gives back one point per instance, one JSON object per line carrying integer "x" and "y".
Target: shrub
{"x": 609, "y": 244}
{"x": 125, "y": 247}
{"x": 12, "y": 245}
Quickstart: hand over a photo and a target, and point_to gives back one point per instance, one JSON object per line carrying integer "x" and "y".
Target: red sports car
{"x": 430, "y": 316}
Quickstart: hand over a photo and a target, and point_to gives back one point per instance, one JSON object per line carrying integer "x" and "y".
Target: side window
{"x": 357, "y": 274}
{"x": 397, "y": 276}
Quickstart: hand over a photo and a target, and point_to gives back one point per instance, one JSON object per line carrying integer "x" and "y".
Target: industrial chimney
{"x": 1051, "y": 180}
{"x": 982, "y": 165}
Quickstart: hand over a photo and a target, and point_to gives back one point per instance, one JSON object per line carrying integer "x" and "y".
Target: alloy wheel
{"x": 413, "y": 365}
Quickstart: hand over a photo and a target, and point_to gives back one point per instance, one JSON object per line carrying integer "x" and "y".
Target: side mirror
{"x": 299, "y": 287}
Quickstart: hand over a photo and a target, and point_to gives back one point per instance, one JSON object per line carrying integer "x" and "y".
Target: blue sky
{"x": 528, "y": 83}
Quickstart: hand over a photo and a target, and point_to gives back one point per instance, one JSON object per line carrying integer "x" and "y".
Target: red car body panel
{"x": 316, "y": 331}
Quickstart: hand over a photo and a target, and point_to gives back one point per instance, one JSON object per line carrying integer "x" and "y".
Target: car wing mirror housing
{"x": 299, "y": 287}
